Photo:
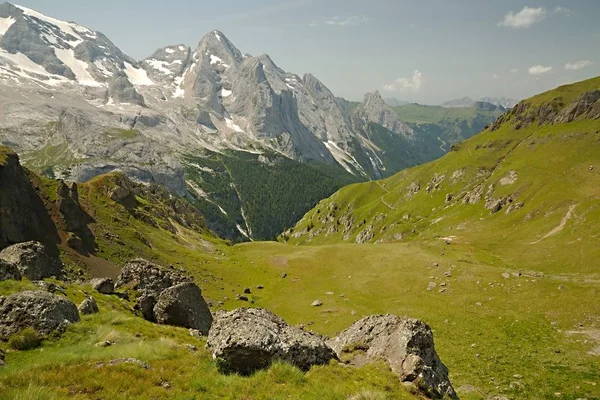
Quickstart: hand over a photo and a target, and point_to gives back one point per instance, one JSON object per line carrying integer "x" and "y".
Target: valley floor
{"x": 506, "y": 332}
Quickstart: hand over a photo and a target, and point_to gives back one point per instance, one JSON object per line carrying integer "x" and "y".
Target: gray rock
{"x": 88, "y": 306}
{"x": 33, "y": 260}
{"x": 2, "y": 358}
{"x": 103, "y": 285}
{"x": 183, "y": 305}
{"x": 145, "y": 304}
{"x": 9, "y": 270}
{"x": 246, "y": 340}
{"x": 406, "y": 344}
{"x": 317, "y": 303}
{"x": 43, "y": 311}
{"x": 140, "y": 274}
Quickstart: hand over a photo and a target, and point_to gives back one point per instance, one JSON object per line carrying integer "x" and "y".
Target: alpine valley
{"x": 201, "y": 224}
{"x": 204, "y": 121}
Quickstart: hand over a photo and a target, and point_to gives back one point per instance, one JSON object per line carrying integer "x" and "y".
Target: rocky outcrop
{"x": 183, "y": 305}
{"x": 9, "y": 270}
{"x": 586, "y": 106}
{"x": 374, "y": 109}
{"x": 88, "y": 306}
{"x": 246, "y": 340}
{"x": 45, "y": 312}
{"x": 23, "y": 216}
{"x": 407, "y": 346}
{"x": 33, "y": 260}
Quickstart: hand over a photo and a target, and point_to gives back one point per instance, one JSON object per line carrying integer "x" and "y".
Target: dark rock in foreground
{"x": 406, "y": 344}
{"x": 183, "y": 305}
{"x": 33, "y": 260}
{"x": 246, "y": 340}
{"x": 45, "y": 312}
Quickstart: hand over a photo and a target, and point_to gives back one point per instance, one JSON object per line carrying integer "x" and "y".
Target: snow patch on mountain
{"x": 79, "y": 68}
{"x": 137, "y": 76}
{"x": 6, "y": 23}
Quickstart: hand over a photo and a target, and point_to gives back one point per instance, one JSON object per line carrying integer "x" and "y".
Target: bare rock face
{"x": 183, "y": 305}
{"x": 45, "y": 312}
{"x": 406, "y": 344}
{"x": 586, "y": 106}
{"x": 246, "y": 340}
{"x": 9, "y": 270}
{"x": 33, "y": 260}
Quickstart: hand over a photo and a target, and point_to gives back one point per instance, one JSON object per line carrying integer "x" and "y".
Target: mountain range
{"x": 204, "y": 121}
{"x": 469, "y": 102}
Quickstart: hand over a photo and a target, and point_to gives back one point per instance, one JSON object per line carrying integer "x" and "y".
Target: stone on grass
{"x": 183, "y": 305}
{"x": 103, "y": 285}
{"x": 245, "y": 340}
{"x": 407, "y": 346}
{"x": 45, "y": 312}
{"x": 88, "y": 306}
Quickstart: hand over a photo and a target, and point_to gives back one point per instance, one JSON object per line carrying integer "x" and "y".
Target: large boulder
{"x": 43, "y": 311}
{"x": 33, "y": 260}
{"x": 140, "y": 274}
{"x": 406, "y": 344}
{"x": 9, "y": 270}
{"x": 183, "y": 305}
{"x": 245, "y": 340}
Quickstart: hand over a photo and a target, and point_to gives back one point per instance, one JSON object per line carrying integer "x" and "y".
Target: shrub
{"x": 27, "y": 339}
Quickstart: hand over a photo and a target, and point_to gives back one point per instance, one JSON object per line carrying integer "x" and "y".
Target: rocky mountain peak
{"x": 374, "y": 109}
{"x": 167, "y": 63}
{"x": 219, "y": 50}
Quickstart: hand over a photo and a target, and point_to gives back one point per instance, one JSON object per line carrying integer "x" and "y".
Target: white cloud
{"x": 514, "y": 71}
{"x": 574, "y": 66}
{"x": 562, "y": 10}
{"x": 524, "y": 18}
{"x": 539, "y": 70}
{"x": 406, "y": 85}
{"x": 347, "y": 21}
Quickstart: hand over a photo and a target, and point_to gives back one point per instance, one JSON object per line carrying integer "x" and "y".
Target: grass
{"x": 27, "y": 339}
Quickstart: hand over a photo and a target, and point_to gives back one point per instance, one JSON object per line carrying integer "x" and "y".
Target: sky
{"x": 425, "y": 51}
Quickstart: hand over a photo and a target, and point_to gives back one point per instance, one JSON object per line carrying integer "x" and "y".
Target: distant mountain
{"x": 393, "y": 102}
{"x": 468, "y": 102}
{"x": 446, "y": 126}
{"x": 210, "y": 123}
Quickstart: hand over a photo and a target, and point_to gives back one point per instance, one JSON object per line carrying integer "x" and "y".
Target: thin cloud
{"x": 539, "y": 69}
{"x": 562, "y": 10}
{"x": 514, "y": 71}
{"x": 404, "y": 85}
{"x": 496, "y": 76}
{"x": 347, "y": 21}
{"x": 574, "y": 66}
{"x": 524, "y": 18}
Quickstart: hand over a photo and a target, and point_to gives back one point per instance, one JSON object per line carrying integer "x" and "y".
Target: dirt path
{"x": 560, "y": 226}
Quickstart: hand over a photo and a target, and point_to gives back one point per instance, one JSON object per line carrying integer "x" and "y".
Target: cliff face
{"x": 23, "y": 216}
